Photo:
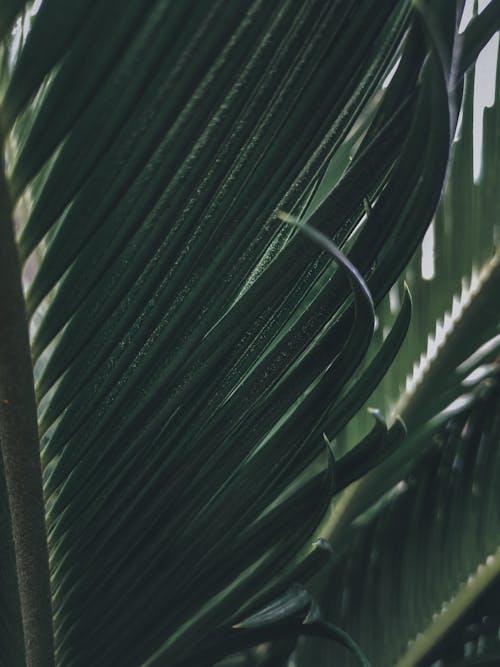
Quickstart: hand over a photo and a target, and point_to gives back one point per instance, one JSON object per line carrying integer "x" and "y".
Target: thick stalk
{"x": 20, "y": 450}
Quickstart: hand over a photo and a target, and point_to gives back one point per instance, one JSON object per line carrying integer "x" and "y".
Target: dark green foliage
{"x": 475, "y": 639}
{"x": 169, "y": 415}
{"x": 191, "y": 349}
{"x": 426, "y": 542}
{"x": 434, "y": 539}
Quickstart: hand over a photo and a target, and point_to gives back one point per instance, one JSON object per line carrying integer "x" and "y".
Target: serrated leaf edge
{"x": 451, "y": 610}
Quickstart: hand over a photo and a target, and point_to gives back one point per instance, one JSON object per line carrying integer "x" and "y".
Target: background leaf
{"x": 474, "y": 640}
{"x": 464, "y": 235}
{"x": 434, "y": 530}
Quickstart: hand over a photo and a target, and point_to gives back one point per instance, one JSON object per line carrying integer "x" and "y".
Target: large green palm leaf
{"x": 189, "y": 349}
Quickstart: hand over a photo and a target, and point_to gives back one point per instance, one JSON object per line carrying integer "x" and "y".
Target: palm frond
{"x": 431, "y": 549}
{"x": 475, "y": 639}
{"x": 190, "y": 350}
{"x": 444, "y": 331}
{"x": 178, "y": 403}
{"x": 426, "y": 553}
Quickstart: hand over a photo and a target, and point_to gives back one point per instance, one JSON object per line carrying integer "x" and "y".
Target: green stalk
{"x": 21, "y": 451}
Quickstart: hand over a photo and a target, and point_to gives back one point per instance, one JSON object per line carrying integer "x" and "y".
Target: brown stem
{"x": 20, "y": 451}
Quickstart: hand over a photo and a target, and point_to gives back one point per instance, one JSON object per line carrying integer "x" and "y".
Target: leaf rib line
{"x": 451, "y": 611}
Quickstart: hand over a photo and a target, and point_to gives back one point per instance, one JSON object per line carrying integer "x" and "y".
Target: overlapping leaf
{"x": 190, "y": 349}
{"x": 457, "y": 301}
{"x": 431, "y": 551}
{"x": 414, "y": 560}
{"x": 465, "y": 232}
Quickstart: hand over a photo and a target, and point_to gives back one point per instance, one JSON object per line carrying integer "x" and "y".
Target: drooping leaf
{"x": 293, "y": 613}
{"x": 425, "y": 553}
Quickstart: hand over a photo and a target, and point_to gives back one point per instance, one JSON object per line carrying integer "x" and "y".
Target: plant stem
{"x": 21, "y": 450}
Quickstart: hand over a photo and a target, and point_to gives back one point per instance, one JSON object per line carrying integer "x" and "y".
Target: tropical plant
{"x": 206, "y": 211}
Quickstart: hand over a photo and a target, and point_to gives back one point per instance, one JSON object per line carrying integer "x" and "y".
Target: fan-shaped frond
{"x": 425, "y": 552}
